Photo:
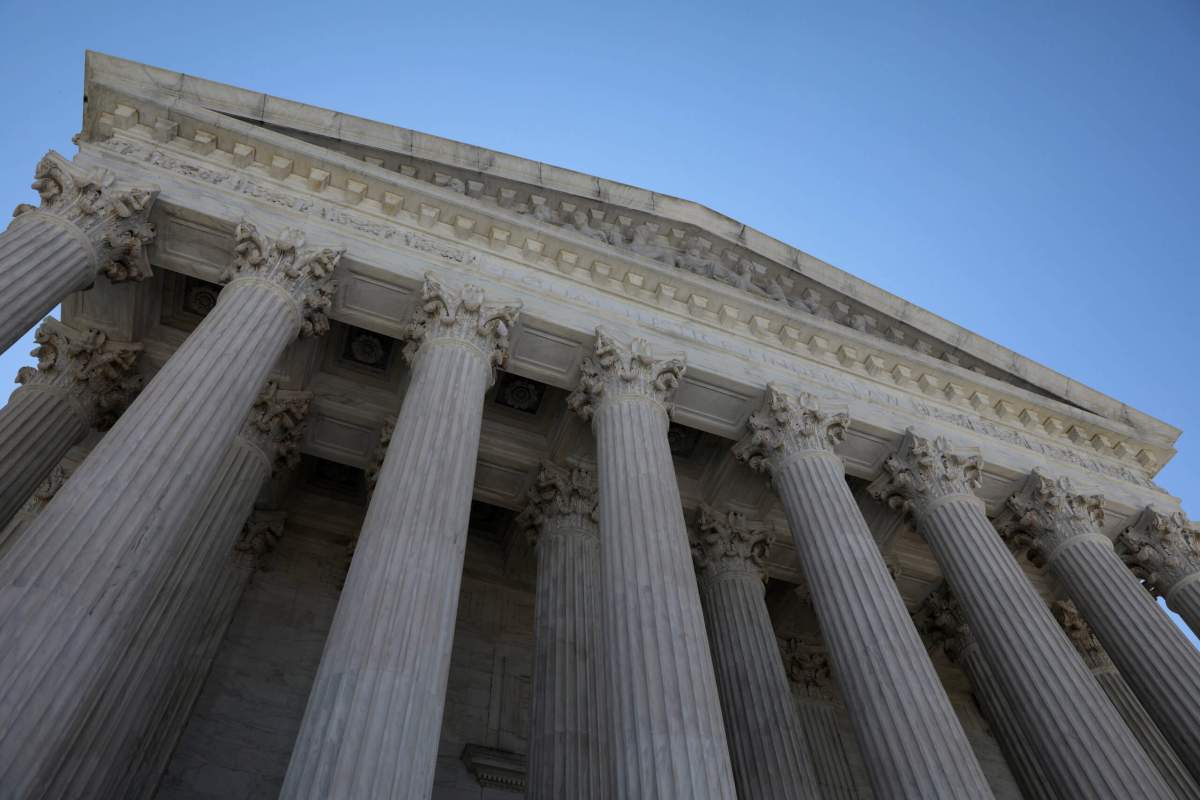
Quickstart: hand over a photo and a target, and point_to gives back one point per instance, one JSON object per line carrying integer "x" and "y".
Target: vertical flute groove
{"x": 827, "y": 749}
{"x": 37, "y": 428}
{"x": 40, "y": 264}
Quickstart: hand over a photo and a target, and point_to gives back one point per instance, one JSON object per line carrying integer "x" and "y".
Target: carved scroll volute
{"x": 785, "y": 426}
{"x": 1161, "y": 549}
{"x": 463, "y": 315}
{"x": 1045, "y": 514}
{"x": 923, "y": 471}
{"x": 99, "y": 374}
{"x": 305, "y": 274}
{"x": 115, "y": 219}
{"x": 726, "y": 544}
{"x": 616, "y": 370}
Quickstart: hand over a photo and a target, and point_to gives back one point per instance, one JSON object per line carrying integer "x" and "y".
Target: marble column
{"x": 128, "y": 717}
{"x": 1122, "y": 697}
{"x": 568, "y": 737}
{"x": 374, "y": 716}
{"x": 37, "y": 501}
{"x": 912, "y": 741}
{"x": 766, "y": 743}
{"x": 941, "y": 620}
{"x": 82, "y": 575}
{"x": 1084, "y": 747}
{"x": 1163, "y": 551}
{"x": 83, "y": 379}
{"x": 806, "y": 665}
{"x": 1060, "y": 529}
{"x": 84, "y": 227}
{"x": 668, "y": 737}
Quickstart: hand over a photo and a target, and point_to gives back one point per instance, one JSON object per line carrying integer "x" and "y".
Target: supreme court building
{"x": 367, "y": 464}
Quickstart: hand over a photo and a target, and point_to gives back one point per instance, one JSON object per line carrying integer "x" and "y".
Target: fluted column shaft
{"x": 37, "y": 428}
{"x": 1159, "y": 663}
{"x": 1147, "y": 733}
{"x": 1163, "y": 550}
{"x": 77, "y": 582}
{"x": 1018, "y": 749}
{"x": 766, "y": 742}
{"x": 1184, "y": 600}
{"x": 41, "y": 262}
{"x": 374, "y": 716}
{"x": 568, "y": 742}
{"x": 128, "y": 716}
{"x": 826, "y": 749}
{"x": 912, "y": 742}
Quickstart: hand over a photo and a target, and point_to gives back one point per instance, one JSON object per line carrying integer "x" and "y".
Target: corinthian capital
{"x": 941, "y": 621}
{"x": 1161, "y": 549}
{"x": 1080, "y": 634}
{"x": 261, "y": 533}
{"x": 1047, "y": 513}
{"x": 924, "y": 470}
{"x": 728, "y": 545}
{"x": 807, "y": 666}
{"x": 98, "y": 374}
{"x": 114, "y": 219}
{"x": 276, "y": 424}
{"x": 561, "y": 499}
{"x": 617, "y": 370}
{"x": 304, "y": 274}
{"x": 375, "y": 462}
{"x": 787, "y": 425}
{"x": 462, "y": 315}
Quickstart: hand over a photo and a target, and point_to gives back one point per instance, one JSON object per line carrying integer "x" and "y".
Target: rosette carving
{"x": 100, "y": 375}
{"x": 1045, "y": 514}
{"x": 261, "y": 533}
{"x": 786, "y": 425}
{"x": 728, "y": 545}
{"x": 304, "y": 273}
{"x": 1080, "y": 634}
{"x": 1160, "y": 549}
{"x": 616, "y": 370}
{"x": 276, "y": 424}
{"x": 941, "y": 621}
{"x": 560, "y": 498}
{"x": 807, "y": 666}
{"x": 114, "y": 219}
{"x": 924, "y": 470}
{"x": 463, "y": 315}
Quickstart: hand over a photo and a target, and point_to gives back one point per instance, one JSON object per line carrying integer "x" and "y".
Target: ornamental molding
{"x": 276, "y": 423}
{"x": 114, "y": 219}
{"x": 726, "y": 545}
{"x": 1080, "y": 634}
{"x": 1161, "y": 549}
{"x": 617, "y": 370}
{"x": 562, "y": 501}
{"x": 1045, "y": 515}
{"x": 940, "y": 619}
{"x": 306, "y": 274}
{"x": 924, "y": 471}
{"x": 806, "y": 663}
{"x": 463, "y": 316}
{"x": 858, "y": 368}
{"x": 99, "y": 375}
{"x": 786, "y": 427}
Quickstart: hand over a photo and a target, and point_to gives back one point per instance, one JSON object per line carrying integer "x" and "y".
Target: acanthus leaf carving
{"x": 276, "y": 423}
{"x": 306, "y": 274}
{"x": 261, "y": 533}
{"x": 923, "y": 470}
{"x": 1045, "y": 514}
{"x": 807, "y": 666}
{"x": 787, "y": 425}
{"x": 1080, "y": 634}
{"x": 375, "y": 462}
{"x": 726, "y": 544}
{"x": 940, "y": 619}
{"x": 115, "y": 220}
{"x": 462, "y": 315}
{"x": 616, "y": 369}
{"x": 1161, "y": 549}
{"x": 99, "y": 374}
{"x": 45, "y": 491}
{"x": 561, "y": 499}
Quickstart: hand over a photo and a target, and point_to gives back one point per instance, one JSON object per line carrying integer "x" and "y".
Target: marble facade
{"x": 366, "y": 464}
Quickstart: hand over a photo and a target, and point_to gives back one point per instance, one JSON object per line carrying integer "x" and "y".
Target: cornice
{"x": 167, "y": 89}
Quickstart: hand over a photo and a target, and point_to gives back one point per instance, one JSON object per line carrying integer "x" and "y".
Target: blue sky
{"x": 1028, "y": 172}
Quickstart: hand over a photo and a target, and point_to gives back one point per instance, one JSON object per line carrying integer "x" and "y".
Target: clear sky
{"x": 1030, "y": 171}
